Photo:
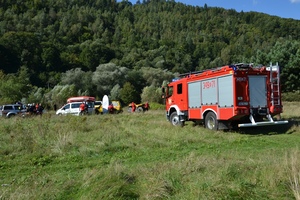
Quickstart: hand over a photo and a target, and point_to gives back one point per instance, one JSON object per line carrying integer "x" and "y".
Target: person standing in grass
{"x": 40, "y": 109}
{"x": 82, "y": 108}
{"x": 133, "y": 107}
{"x": 147, "y": 106}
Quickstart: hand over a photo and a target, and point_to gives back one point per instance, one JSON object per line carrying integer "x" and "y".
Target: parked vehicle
{"x": 11, "y": 110}
{"x": 74, "y": 109}
{"x": 138, "y": 107}
{"x": 113, "y": 108}
{"x": 117, "y": 107}
{"x": 69, "y": 109}
{"x": 97, "y": 104}
{"x": 231, "y": 96}
{"x": 89, "y": 101}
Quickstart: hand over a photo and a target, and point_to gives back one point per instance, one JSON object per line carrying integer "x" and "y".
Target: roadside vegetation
{"x": 142, "y": 156}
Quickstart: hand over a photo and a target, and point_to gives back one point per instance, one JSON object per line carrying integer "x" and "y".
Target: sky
{"x": 281, "y": 8}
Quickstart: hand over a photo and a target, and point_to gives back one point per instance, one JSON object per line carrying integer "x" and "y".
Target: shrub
{"x": 291, "y": 96}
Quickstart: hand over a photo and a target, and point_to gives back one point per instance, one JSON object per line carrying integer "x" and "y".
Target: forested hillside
{"x": 52, "y": 49}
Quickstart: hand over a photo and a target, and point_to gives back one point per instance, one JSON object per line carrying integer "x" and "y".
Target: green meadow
{"x": 142, "y": 156}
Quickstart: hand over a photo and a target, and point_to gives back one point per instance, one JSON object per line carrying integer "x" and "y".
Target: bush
{"x": 151, "y": 94}
{"x": 291, "y": 96}
{"x": 156, "y": 106}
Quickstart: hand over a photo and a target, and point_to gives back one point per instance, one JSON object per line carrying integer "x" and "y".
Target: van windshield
{"x": 91, "y": 104}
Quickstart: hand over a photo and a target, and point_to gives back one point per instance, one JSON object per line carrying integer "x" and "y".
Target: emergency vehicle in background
{"x": 73, "y": 105}
{"x": 227, "y": 97}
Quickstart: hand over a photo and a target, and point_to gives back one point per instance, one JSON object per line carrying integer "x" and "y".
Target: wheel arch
{"x": 206, "y": 111}
{"x": 174, "y": 108}
{"x": 10, "y": 114}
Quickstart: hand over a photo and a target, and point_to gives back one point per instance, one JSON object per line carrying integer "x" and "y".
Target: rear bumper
{"x": 267, "y": 123}
{"x": 264, "y": 123}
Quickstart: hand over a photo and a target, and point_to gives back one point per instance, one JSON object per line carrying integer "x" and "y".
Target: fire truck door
{"x": 258, "y": 91}
{"x": 180, "y": 99}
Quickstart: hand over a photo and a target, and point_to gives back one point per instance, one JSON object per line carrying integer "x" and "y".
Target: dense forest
{"x": 53, "y": 49}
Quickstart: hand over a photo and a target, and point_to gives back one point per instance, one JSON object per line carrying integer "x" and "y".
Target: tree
{"x": 25, "y": 46}
{"x": 155, "y": 77}
{"x": 80, "y": 79}
{"x": 95, "y": 53}
{"x": 107, "y": 76}
{"x": 59, "y": 94}
{"x": 51, "y": 58}
{"x": 135, "y": 77}
{"x": 14, "y": 87}
{"x": 9, "y": 61}
{"x": 115, "y": 92}
{"x": 286, "y": 53}
{"x": 128, "y": 94}
{"x": 151, "y": 94}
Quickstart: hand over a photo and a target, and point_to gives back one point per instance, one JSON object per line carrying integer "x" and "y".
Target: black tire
{"x": 129, "y": 109}
{"x": 10, "y": 115}
{"x": 140, "y": 109}
{"x": 211, "y": 121}
{"x": 175, "y": 120}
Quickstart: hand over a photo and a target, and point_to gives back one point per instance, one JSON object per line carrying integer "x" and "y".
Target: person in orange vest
{"x": 147, "y": 106}
{"x": 111, "y": 108}
{"x": 133, "y": 107}
{"x": 36, "y": 107}
{"x": 82, "y": 108}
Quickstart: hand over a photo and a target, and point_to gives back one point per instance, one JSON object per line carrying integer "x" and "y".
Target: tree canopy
{"x": 111, "y": 43}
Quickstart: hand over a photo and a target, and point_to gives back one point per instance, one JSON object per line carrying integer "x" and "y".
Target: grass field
{"x": 142, "y": 156}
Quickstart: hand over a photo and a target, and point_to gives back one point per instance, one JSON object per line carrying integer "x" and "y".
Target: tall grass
{"x": 142, "y": 156}
{"x": 293, "y": 164}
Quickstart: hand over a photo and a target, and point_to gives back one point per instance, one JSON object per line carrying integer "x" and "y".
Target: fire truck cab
{"x": 238, "y": 95}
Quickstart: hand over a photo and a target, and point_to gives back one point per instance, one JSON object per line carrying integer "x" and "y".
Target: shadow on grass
{"x": 274, "y": 129}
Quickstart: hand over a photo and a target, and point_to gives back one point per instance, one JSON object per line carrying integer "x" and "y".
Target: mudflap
{"x": 223, "y": 125}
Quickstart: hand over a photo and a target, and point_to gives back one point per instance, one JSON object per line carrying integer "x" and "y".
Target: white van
{"x": 73, "y": 108}
{"x": 69, "y": 108}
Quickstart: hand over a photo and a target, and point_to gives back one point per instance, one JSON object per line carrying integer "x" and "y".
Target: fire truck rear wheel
{"x": 174, "y": 118}
{"x": 211, "y": 121}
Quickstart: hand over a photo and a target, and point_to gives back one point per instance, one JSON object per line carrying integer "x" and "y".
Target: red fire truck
{"x": 231, "y": 96}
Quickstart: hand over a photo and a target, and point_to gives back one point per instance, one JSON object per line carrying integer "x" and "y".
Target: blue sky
{"x": 281, "y": 8}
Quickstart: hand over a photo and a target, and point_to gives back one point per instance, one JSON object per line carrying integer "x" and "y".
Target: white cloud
{"x": 295, "y": 1}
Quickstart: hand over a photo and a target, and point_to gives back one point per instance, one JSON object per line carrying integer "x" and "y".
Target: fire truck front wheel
{"x": 175, "y": 120}
{"x": 211, "y": 121}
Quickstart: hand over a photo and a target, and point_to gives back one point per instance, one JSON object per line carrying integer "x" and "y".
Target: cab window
{"x": 169, "y": 91}
{"x": 179, "y": 88}
{"x": 67, "y": 106}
